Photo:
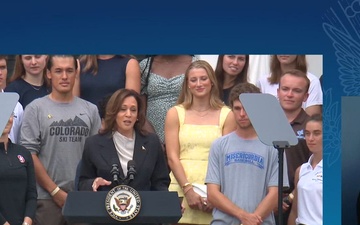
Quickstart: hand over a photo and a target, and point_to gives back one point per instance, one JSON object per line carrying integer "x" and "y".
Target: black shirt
{"x": 17, "y": 184}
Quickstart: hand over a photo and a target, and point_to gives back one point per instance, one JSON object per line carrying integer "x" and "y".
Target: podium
{"x": 89, "y": 207}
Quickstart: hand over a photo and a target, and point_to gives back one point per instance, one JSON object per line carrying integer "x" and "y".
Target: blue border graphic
{"x": 174, "y": 27}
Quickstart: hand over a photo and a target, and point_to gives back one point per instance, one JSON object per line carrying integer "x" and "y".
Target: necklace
{"x": 202, "y": 115}
{"x": 35, "y": 88}
{"x": 199, "y": 112}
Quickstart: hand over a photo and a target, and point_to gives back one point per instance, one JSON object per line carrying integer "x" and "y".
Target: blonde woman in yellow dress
{"x": 190, "y": 128}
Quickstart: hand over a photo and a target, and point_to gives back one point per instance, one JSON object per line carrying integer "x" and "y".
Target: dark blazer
{"x": 100, "y": 154}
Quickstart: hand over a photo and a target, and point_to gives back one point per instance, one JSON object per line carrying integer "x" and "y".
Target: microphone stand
{"x": 115, "y": 175}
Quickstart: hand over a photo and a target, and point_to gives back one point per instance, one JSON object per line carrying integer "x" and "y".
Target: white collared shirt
{"x": 125, "y": 149}
{"x": 310, "y": 194}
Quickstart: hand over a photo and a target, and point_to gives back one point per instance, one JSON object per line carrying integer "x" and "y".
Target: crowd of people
{"x": 178, "y": 118}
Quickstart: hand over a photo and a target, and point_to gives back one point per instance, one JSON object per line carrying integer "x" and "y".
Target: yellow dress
{"x": 195, "y": 142}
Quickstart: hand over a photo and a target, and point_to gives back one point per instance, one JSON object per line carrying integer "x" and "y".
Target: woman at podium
{"x": 122, "y": 139}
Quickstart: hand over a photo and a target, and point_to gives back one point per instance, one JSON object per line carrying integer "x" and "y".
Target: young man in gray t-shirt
{"x": 242, "y": 175}
{"x": 54, "y": 129}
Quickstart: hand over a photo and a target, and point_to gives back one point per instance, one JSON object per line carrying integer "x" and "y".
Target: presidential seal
{"x": 123, "y": 203}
